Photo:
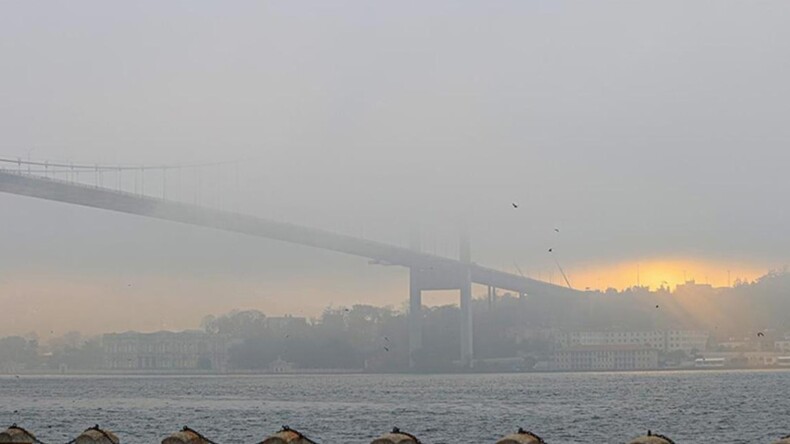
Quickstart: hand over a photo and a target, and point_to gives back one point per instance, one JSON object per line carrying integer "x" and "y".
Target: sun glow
{"x": 662, "y": 272}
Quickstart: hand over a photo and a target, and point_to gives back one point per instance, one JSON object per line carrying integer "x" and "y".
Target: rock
{"x": 186, "y": 436}
{"x": 397, "y": 437}
{"x": 17, "y": 435}
{"x": 652, "y": 438}
{"x": 287, "y": 436}
{"x": 95, "y": 435}
{"x": 521, "y": 437}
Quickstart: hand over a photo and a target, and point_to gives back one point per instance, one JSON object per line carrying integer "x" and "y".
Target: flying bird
{"x": 656, "y": 305}
{"x": 550, "y": 250}
{"x": 385, "y": 348}
{"x": 760, "y": 334}
{"x": 515, "y": 205}
{"x": 557, "y": 230}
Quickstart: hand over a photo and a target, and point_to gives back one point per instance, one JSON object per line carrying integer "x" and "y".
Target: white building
{"x": 749, "y": 359}
{"x": 664, "y": 340}
{"x": 281, "y": 366}
{"x": 605, "y": 357}
{"x": 165, "y": 350}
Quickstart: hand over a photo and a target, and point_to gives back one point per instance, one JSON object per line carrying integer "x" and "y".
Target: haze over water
{"x": 737, "y": 407}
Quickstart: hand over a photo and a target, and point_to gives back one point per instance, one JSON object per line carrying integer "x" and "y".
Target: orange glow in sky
{"x": 656, "y": 272}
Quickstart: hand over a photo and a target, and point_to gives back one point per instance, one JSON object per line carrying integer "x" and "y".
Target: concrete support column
{"x": 465, "y": 253}
{"x": 465, "y": 249}
{"x": 415, "y": 314}
{"x": 467, "y": 351}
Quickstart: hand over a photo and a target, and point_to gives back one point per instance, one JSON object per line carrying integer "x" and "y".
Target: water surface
{"x": 690, "y": 407}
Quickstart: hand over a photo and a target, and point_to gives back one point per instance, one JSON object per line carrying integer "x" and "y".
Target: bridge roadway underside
{"x": 427, "y": 271}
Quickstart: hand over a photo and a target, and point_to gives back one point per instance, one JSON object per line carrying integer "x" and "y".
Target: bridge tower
{"x": 415, "y": 302}
{"x": 415, "y": 314}
{"x": 465, "y": 284}
{"x": 429, "y": 278}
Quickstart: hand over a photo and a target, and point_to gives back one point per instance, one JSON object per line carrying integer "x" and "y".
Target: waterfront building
{"x": 165, "y": 351}
{"x": 662, "y": 340}
{"x": 281, "y": 366}
{"x": 756, "y": 359}
{"x": 605, "y": 357}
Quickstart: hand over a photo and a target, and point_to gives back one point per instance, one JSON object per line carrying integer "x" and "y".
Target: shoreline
{"x": 352, "y": 372}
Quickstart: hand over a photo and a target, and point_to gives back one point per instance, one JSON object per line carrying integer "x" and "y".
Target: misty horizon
{"x": 650, "y": 135}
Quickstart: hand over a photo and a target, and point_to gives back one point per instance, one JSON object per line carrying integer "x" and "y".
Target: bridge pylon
{"x": 467, "y": 347}
{"x": 465, "y": 286}
{"x": 415, "y": 314}
{"x": 428, "y": 278}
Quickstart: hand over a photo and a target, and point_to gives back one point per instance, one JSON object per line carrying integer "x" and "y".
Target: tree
{"x": 16, "y": 351}
{"x": 237, "y": 324}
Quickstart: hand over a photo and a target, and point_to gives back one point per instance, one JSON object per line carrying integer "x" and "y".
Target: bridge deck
{"x": 431, "y": 267}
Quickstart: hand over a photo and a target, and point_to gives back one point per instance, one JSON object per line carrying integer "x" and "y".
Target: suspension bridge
{"x": 143, "y": 190}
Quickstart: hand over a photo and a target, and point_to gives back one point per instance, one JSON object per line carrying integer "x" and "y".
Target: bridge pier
{"x": 467, "y": 352}
{"x": 465, "y": 285}
{"x": 415, "y": 314}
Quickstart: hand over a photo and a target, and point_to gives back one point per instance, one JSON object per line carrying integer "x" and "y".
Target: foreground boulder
{"x": 396, "y": 437}
{"x": 96, "y": 435}
{"x": 521, "y": 437}
{"x": 652, "y": 438}
{"x": 186, "y": 436}
{"x": 17, "y": 435}
{"x": 287, "y": 436}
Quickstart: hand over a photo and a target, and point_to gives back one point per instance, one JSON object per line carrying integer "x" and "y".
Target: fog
{"x": 650, "y": 133}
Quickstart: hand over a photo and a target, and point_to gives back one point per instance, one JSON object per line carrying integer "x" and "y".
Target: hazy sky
{"x": 650, "y": 133}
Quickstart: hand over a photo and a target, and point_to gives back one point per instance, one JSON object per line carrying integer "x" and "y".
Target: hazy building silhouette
{"x": 187, "y": 350}
{"x": 605, "y": 357}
